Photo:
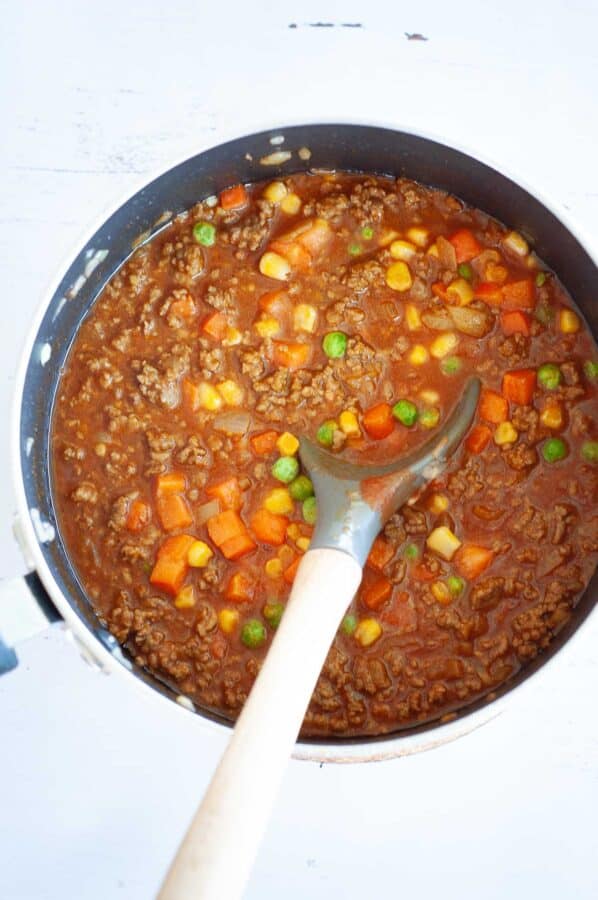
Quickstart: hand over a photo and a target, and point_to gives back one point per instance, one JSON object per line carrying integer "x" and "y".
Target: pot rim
{"x": 395, "y": 744}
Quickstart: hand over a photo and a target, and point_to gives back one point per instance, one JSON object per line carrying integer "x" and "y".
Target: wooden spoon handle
{"x": 215, "y": 858}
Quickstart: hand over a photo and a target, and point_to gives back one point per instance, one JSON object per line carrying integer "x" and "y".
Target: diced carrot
{"x": 401, "y": 614}
{"x": 439, "y": 290}
{"x": 376, "y": 593}
{"x": 269, "y": 528}
{"x": 264, "y": 443}
{"x": 513, "y": 321}
{"x": 184, "y": 307}
{"x": 138, "y": 516}
{"x": 466, "y": 245}
{"x": 519, "y": 294}
{"x": 290, "y": 354}
{"x": 478, "y": 438}
{"x": 471, "y": 560}
{"x": 218, "y": 646}
{"x": 224, "y": 526}
{"x": 238, "y": 546}
{"x": 290, "y": 572}
{"x": 170, "y": 483}
{"x": 294, "y": 252}
{"x": 493, "y": 407}
{"x": 488, "y": 292}
{"x": 378, "y": 421}
{"x": 170, "y": 568}
{"x": 173, "y": 511}
{"x": 191, "y": 395}
{"x": 380, "y": 554}
{"x": 518, "y": 386}
{"x": 215, "y": 326}
{"x": 233, "y": 197}
{"x": 228, "y": 492}
{"x": 240, "y": 588}
{"x": 421, "y": 573}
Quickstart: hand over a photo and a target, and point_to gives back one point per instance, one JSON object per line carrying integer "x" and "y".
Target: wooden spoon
{"x": 217, "y": 853}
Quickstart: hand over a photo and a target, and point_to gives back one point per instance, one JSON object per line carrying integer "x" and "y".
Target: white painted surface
{"x": 98, "y": 784}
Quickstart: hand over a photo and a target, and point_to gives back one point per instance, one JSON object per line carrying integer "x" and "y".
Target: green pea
{"x": 545, "y": 313}
{"x": 348, "y": 625}
{"x": 367, "y": 233}
{"x": 554, "y": 449}
{"x": 591, "y": 369}
{"x": 465, "y": 271}
{"x": 310, "y": 510}
{"x": 406, "y": 412}
{"x": 589, "y": 451}
{"x": 354, "y": 249}
{"x": 450, "y": 365}
{"x": 253, "y": 633}
{"x": 411, "y": 552}
{"x": 334, "y": 344}
{"x": 272, "y": 613}
{"x": 429, "y": 418}
{"x": 455, "y": 585}
{"x": 301, "y": 488}
{"x": 204, "y": 233}
{"x": 549, "y": 376}
{"x": 325, "y": 433}
{"x": 285, "y": 469}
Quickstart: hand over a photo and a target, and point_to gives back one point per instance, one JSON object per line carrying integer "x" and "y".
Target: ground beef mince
{"x": 351, "y": 309}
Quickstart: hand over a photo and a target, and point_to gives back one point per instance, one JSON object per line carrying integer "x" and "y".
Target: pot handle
{"x": 25, "y": 610}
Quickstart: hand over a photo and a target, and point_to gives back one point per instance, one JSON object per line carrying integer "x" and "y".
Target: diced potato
{"x": 430, "y": 397}
{"x": 273, "y": 265}
{"x": 443, "y": 542}
{"x": 279, "y": 501}
{"x": 398, "y": 276}
{"x": 291, "y": 204}
{"x": 387, "y": 236}
{"x": 441, "y": 593}
{"x": 228, "y": 619}
{"x": 267, "y": 326}
{"x": 303, "y": 543}
{"x": 438, "y": 504}
{"x": 348, "y": 422}
{"x": 209, "y": 398}
{"x": 199, "y": 554}
{"x": 275, "y": 191}
{"x": 367, "y": 632}
{"x": 273, "y": 568}
{"x": 443, "y": 344}
{"x": 418, "y": 235}
{"x": 232, "y": 337}
{"x": 185, "y": 599}
{"x": 460, "y": 291}
{"x": 287, "y": 444}
{"x": 412, "y": 317}
{"x": 403, "y": 250}
{"x": 231, "y": 392}
{"x": 419, "y": 355}
{"x": 505, "y": 433}
{"x": 517, "y": 243}
{"x": 552, "y": 416}
{"x": 569, "y": 321}
{"x": 305, "y": 318}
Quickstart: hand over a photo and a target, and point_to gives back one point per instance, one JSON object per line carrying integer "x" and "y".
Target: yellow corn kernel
{"x": 443, "y": 344}
{"x": 430, "y": 417}
{"x": 430, "y": 397}
{"x": 460, "y": 291}
{"x": 443, "y": 542}
{"x": 293, "y": 531}
{"x": 387, "y": 236}
{"x": 209, "y": 398}
{"x": 275, "y": 191}
{"x": 231, "y": 392}
{"x": 199, "y": 554}
{"x": 232, "y": 337}
{"x": 273, "y": 568}
{"x": 291, "y": 204}
{"x": 505, "y": 434}
{"x": 305, "y": 318}
{"x": 517, "y": 243}
{"x": 228, "y": 620}
{"x": 303, "y": 543}
{"x": 552, "y": 416}
{"x": 402, "y": 250}
{"x": 273, "y": 265}
{"x": 267, "y": 326}
{"x": 398, "y": 277}
{"x": 433, "y": 251}
{"x": 287, "y": 444}
{"x": 438, "y": 503}
{"x": 185, "y": 599}
{"x": 412, "y": 317}
{"x": 419, "y": 355}
{"x": 441, "y": 593}
{"x": 348, "y": 422}
{"x": 279, "y": 501}
{"x": 368, "y": 631}
{"x": 286, "y": 555}
{"x": 418, "y": 235}
{"x": 569, "y": 321}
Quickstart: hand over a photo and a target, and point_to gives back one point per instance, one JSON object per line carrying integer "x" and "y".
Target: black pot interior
{"x": 344, "y": 147}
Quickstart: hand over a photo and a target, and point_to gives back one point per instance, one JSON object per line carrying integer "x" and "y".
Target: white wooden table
{"x": 98, "y": 784}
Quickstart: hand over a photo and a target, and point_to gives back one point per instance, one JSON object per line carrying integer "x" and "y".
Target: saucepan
{"x": 51, "y": 590}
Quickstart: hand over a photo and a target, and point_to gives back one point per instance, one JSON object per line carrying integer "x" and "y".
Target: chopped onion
{"x": 446, "y": 253}
{"x": 438, "y": 321}
{"x": 235, "y": 423}
{"x": 276, "y": 159}
{"x": 475, "y": 322}
{"x": 206, "y": 511}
